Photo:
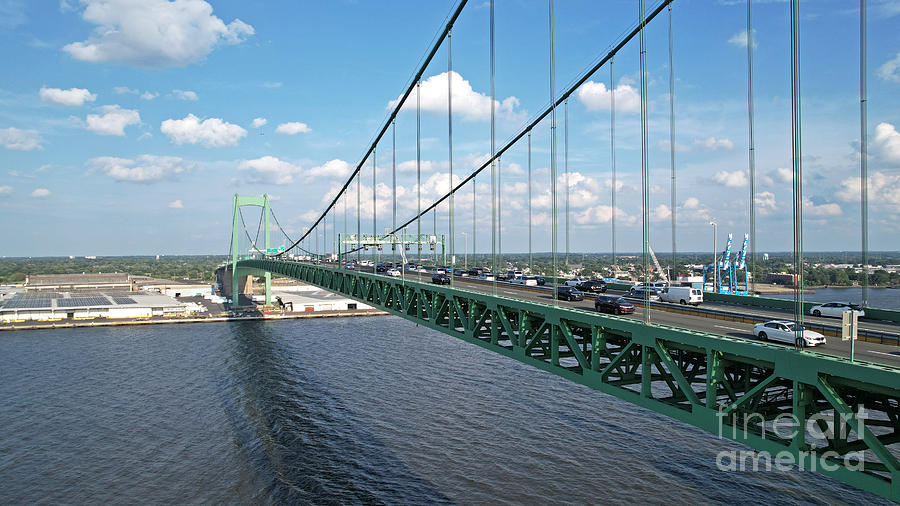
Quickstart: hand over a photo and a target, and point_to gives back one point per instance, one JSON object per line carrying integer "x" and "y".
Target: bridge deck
{"x": 822, "y": 411}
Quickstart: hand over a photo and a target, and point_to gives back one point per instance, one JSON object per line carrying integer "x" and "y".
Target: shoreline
{"x": 101, "y": 322}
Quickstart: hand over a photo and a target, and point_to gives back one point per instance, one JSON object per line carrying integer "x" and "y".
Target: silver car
{"x": 835, "y": 309}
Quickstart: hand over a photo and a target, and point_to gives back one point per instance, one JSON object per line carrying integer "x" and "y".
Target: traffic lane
{"x": 784, "y": 314}
{"x": 865, "y": 351}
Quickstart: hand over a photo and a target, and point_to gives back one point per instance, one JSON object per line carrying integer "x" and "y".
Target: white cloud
{"x": 470, "y": 104}
{"x": 765, "y": 203}
{"x": 145, "y": 169}
{"x": 113, "y": 121}
{"x": 662, "y": 145}
{"x": 147, "y": 95}
{"x": 154, "y": 33}
{"x": 660, "y": 212}
{"x": 601, "y": 214}
{"x": 176, "y": 204}
{"x": 596, "y": 97}
{"x": 883, "y": 190}
{"x": 713, "y": 144}
{"x": 736, "y": 179}
{"x": 258, "y": 122}
{"x": 782, "y": 175}
{"x": 212, "y": 133}
{"x": 5, "y": 189}
{"x": 184, "y": 95}
{"x": 71, "y": 97}
{"x": 740, "y": 39}
{"x": 20, "y": 140}
{"x": 812, "y": 209}
{"x": 292, "y": 128}
{"x": 410, "y": 166}
{"x": 887, "y": 142}
{"x": 40, "y": 193}
{"x": 269, "y": 169}
{"x": 691, "y": 203}
{"x": 890, "y": 70}
{"x": 332, "y": 168}
{"x": 121, "y": 90}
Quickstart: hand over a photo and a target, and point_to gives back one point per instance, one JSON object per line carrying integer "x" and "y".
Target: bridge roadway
{"x": 867, "y": 351}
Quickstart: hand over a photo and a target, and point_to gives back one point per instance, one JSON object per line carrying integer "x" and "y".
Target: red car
{"x": 613, "y": 304}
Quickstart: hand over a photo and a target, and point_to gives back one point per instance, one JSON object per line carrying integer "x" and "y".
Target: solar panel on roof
{"x": 23, "y": 303}
{"x": 82, "y": 302}
{"x": 123, "y": 300}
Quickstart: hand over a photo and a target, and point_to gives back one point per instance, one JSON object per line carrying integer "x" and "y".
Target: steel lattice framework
{"x": 750, "y": 392}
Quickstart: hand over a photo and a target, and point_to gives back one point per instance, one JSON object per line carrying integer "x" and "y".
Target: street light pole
{"x": 715, "y": 262}
{"x": 466, "y": 251}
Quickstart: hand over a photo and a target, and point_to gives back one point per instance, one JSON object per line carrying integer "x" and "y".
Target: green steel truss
{"x": 741, "y": 390}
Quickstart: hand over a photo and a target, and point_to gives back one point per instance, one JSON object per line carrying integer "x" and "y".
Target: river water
{"x": 883, "y": 298}
{"x": 338, "y": 410}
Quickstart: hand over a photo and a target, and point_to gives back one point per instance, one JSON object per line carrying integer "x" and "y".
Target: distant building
{"x": 83, "y": 281}
{"x": 781, "y": 278}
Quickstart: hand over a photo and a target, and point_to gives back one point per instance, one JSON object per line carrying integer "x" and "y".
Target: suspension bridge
{"x": 823, "y": 412}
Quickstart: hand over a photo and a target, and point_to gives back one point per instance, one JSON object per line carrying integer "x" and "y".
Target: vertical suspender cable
{"x": 419, "y": 169}
{"x": 358, "y": 221}
{"x": 566, "y": 176}
{"x": 797, "y": 168}
{"x": 530, "y": 258}
{"x": 612, "y": 153}
{"x": 645, "y": 169}
{"x": 493, "y": 166}
{"x": 500, "y": 212}
{"x": 450, "y": 146}
{"x": 553, "y": 231}
{"x": 863, "y": 152}
{"x": 752, "y": 154}
{"x": 394, "y": 190}
{"x": 374, "y": 209}
{"x": 672, "y": 138}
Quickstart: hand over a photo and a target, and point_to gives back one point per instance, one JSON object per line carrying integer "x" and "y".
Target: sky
{"x": 126, "y": 126}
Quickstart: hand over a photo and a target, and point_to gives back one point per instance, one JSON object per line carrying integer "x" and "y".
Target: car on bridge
{"x": 638, "y": 292}
{"x": 461, "y": 273}
{"x": 787, "y": 331}
{"x": 613, "y": 304}
{"x": 394, "y": 272}
{"x": 569, "y": 293}
{"x": 540, "y": 280}
{"x": 486, "y": 276}
{"x": 576, "y": 281}
{"x": 440, "y": 279}
{"x": 835, "y": 309}
{"x": 524, "y": 280}
{"x": 592, "y": 286}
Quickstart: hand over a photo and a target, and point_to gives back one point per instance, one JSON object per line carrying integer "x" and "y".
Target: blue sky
{"x": 127, "y": 126}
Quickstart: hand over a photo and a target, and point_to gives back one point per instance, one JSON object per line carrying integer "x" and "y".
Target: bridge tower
{"x": 236, "y": 229}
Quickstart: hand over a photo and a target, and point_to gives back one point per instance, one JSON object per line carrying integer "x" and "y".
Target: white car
{"x": 521, "y": 280}
{"x": 394, "y": 273}
{"x": 576, "y": 281}
{"x": 781, "y": 330}
{"x": 487, "y": 276}
{"x": 835, "y": 309}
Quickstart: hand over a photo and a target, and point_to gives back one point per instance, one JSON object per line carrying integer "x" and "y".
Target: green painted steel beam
{"x": 734, "y": 388}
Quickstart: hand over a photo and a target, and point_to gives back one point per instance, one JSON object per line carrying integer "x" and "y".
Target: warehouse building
{"x": 21, "y": 306}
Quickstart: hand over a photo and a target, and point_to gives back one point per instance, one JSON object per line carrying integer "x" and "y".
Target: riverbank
{"x": 104, "y": 322}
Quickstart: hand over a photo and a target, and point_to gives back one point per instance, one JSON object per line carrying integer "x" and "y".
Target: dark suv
{"x": 440, "y": 279}
{"x": 592, "y": 286}
{"x": 569, "y": 293}
{"x": 613, "y": 304}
